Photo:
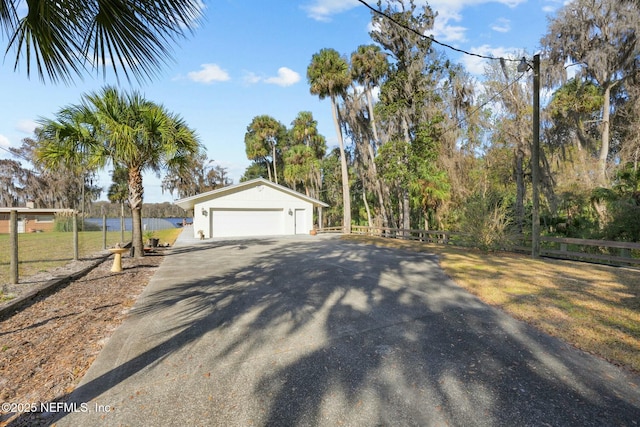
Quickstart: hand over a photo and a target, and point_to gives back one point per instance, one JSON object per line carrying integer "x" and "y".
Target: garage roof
{"x": 189, "y": 202}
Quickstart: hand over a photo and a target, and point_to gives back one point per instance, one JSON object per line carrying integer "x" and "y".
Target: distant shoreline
{"x": 113, "y": 224}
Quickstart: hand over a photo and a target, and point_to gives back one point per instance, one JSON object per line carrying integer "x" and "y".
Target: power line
{"x": 11, "y": 152}
{"x": 15, "y": 154}
{"x": 400, "y": 24}
{"x": 23, "y": 157}
{"x": 501, "y": 59}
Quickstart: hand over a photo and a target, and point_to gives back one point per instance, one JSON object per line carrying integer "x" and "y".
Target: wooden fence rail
{"x": 602, "y": 251}
{"x": 591, "y": 250}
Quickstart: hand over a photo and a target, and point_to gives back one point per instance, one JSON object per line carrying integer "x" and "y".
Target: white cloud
{"x": 286, "y": 77}
{"x": 450, "y": 11}
{"x": 501, "y": 25}
{"x": 444, "y": 29}
{"x": 475, "y": 65}
{"x": 458, "y": 5}
{"x": 26, "y": 126}
{"x": 445, "y": 32}
{"x": 251, "y": 78}
{"x": 208, "y": 74}
{"x": 321, "y": 10}
{"x": 4, "y": 141}
{"x": 553, "y": 5}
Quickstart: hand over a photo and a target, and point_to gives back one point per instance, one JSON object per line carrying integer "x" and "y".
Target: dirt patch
{"x": 46, "y": 348}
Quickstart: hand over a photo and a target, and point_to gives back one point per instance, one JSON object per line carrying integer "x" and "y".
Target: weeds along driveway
{"x": 319, "y": 331}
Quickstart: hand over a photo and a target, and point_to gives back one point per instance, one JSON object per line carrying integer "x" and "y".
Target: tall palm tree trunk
{"x": 136, "y": 192}
{"x": 374, "y": 170}
{"x": 346, "y": 196}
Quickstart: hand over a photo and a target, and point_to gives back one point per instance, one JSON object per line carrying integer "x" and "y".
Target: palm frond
{"x": 133, "y": 37}
{"x": 48, "y": 36}
{"x": 136, "y": 35}
{"x": 8, "y": 16}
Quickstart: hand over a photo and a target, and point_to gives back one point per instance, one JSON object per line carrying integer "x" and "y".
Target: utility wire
{"x": 492, "y": 58}
{"x": 12, "y": 153}
{"x": 400, "y": 24}
{"x": 15, "y": 154}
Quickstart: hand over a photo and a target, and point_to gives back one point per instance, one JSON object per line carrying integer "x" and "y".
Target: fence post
{"x": 104, "y": 231}
{"x": 13, "y": 233}
{"x": 121, "y": 222}
{"x": 75, "y": 236}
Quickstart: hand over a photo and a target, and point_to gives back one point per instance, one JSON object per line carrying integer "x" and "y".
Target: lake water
{"x": 113, "y": 224}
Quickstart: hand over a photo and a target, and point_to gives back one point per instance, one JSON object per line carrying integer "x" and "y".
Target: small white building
{"x": 253, "y": 208}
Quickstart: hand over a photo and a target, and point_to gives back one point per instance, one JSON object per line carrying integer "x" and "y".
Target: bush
{"x": 623, "y": 225}
{"x": 487, "y": 224}
{"x": 65, "y": 223}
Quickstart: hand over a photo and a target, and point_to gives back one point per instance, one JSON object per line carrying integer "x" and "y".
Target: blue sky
{"x": 250, "y": 57}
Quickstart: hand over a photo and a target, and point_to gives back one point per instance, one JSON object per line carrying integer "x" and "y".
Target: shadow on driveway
{"x": 328, "y": 332}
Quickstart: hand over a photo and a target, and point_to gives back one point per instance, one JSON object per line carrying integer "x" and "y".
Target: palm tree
{"x": 125, "y": 130}
{"x": 300, "y": 166}
{"x": 262, "y": 139}
{"x": 304, "y": 156}
{"x": 328, "y": 75}
{"x": 368, "y": 66}
{"x": 61, "y": 38}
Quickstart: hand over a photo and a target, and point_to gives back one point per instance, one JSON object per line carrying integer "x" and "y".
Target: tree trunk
{"x": 136, "y": 193}
{"x": 387, "y": 196}
{"x": 520, "y": 188}
{"x": 604, "y": 148}
{"x": 273, "y": 156}
{"x": 406, "y": 214}
{"x": 374, "y": 172}
{"x": 366, "y": 206}
{"x": 346, "y": 196}
{"x": 372, "y": 119}
{"x": 269, "y": 171}
{"x": 406, "y": 211}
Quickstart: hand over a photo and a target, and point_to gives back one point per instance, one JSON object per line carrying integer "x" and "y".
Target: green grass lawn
{"x": 40, "y": 252}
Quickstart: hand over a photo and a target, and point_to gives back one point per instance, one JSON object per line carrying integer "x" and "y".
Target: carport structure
{"x": 253, "y": 208}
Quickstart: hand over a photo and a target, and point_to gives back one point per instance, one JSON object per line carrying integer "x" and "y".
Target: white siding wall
{"x": 258, "y": 197}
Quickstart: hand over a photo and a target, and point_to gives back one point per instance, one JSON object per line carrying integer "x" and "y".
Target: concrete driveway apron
{"x": 318, "y": 331}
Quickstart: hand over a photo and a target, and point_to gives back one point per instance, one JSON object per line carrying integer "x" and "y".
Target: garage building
{"x": 253, "y": 208}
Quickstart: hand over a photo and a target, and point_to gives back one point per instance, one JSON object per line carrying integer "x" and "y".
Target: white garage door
{"x": 247, "y": 222}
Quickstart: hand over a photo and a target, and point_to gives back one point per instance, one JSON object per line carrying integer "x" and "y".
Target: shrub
{"x": 487, "y": 224}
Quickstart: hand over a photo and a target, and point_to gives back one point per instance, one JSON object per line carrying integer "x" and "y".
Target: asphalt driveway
{"x": 316, "y": 331}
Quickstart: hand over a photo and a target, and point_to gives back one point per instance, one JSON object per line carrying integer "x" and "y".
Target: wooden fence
{"x": 603, "y": 251}
{"x": 600, "y": 251}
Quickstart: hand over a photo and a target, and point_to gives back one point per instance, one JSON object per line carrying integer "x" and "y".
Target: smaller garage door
{"x": 301, "y": 221}
{"x": 247, "y": 222}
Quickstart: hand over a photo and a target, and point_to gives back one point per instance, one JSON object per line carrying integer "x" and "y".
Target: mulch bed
{"x": 46, "y": 348}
